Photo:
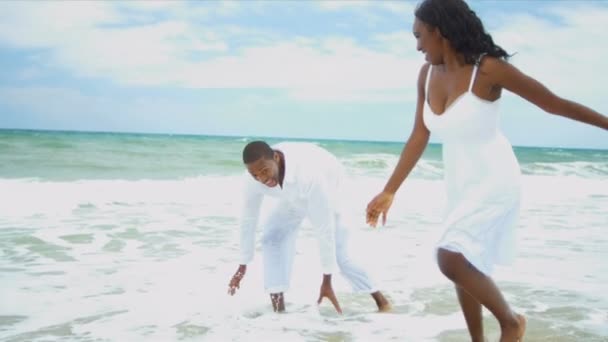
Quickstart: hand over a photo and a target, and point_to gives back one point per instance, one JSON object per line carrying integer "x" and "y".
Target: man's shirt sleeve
{"x": 322, "y": 215}
{"x": 252, "y": 200}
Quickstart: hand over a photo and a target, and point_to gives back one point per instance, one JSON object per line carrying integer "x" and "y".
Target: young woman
{"x": 459, "y": 90}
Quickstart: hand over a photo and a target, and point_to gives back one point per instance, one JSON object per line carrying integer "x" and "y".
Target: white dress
{"x": 482, "y": 177}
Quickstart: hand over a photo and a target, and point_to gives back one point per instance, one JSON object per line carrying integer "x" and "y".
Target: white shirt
{"x": 312, "y": 182}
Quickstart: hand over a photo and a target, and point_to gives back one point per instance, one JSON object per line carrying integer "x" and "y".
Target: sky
{"x": 282, "y": 68}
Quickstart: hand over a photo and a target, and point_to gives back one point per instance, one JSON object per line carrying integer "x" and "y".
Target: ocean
{"x": 134, "y": 237}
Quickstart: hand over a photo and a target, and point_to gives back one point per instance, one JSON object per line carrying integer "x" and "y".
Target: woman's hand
{"x": 379, "y": 205}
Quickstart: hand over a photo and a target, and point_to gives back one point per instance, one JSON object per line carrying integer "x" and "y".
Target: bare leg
{"x": 481, "y": 288}
{"x": 279, "y": 247}
{"x": 382, "y": 303}
{"x": 471, "y": 309}
{"x": 278, "y": 302}
{"x": 357, "y": 277}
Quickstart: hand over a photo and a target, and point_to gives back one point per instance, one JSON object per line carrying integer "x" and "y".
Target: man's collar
{"x": 287, "y": 169}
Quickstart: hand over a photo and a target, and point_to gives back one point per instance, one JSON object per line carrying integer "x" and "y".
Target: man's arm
{"x": 322, "y": 214}
{"x": 252, "y": 200}
{"x": 321, "y": 210}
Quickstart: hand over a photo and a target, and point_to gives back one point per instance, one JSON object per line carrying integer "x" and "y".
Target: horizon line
{"x": 260, "y": 136}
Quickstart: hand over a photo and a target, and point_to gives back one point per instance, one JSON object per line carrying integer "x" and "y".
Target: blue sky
{"x": 310, "y": 69}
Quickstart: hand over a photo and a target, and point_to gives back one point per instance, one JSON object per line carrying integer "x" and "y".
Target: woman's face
{"x": 429, "y": 42}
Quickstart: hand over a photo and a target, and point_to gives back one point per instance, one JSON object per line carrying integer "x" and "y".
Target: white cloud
{"x": 400, "y": 7}
{"x": 330, "y": 63}
{"x": 153, "y": 6}
{"x": 397, "y": 7}
{"x": 84, "y": 38}
{"x": 372, "y": 12}
{"x": 159, "y": 54}
{"x": 565, "y": 56}
{"x": 401, "y": 43}
{"x": 50, "y": 24}
{"x": 333, "y": 94}
{"x": 30, "y": 73}
{"x": 57, "y": 104}
{"x": 229, "y": 6}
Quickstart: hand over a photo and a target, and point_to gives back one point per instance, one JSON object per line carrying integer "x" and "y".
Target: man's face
{"x": 265, "y": 171}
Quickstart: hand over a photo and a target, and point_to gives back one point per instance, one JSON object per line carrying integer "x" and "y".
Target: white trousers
{"x": 279, "y": 248}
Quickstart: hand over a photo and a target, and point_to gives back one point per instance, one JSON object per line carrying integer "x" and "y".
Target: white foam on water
{"x": 579, "y": 169}
{"x": 151, "y": 260}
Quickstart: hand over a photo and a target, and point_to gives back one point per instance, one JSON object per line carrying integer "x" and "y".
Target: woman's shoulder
{"x": 424, "y": 68}
{"x": 422, "y": 74}
{"x": 492, "y": 70}
{"x": 490, "y": 64}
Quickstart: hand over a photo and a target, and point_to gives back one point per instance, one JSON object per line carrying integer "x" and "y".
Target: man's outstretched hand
{"x": 235, "y": 282}
{"x": 328, "y": 292}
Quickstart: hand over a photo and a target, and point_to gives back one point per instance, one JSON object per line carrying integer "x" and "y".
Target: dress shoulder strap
{"x": 428, "y": 77}
{"x": 475, "y": 70}
{"x": 473, "y": 77}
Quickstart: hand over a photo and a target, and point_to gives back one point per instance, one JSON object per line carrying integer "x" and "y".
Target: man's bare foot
{"x": 382, "y": 303}
{"x": 515, "y": 331}
{"x": 385, "y": 308}
{"x": 278, "y": 302}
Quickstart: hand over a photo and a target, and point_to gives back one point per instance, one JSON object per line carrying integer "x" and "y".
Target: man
{"x": 306, "y": 179}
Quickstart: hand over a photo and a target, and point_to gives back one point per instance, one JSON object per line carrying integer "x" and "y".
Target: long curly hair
{"x": 459, "y": 24}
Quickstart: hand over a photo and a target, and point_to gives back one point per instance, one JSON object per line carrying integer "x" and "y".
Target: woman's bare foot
{"x": 514, "y": 332}
{"x": 522, "y": 327}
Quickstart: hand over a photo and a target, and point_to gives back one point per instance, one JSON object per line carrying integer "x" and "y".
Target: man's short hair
{"x": 255, "y": 150}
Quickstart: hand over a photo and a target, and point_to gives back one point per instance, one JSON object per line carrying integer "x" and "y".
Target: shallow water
{"x": 104, "y": 258}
